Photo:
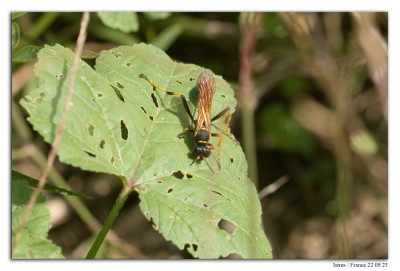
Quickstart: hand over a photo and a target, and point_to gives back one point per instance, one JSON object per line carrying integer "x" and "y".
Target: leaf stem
{"x": 109, "y": 221}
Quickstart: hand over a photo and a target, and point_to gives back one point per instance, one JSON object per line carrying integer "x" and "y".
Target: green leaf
{"x": 124, "y": 21}
{"x": 33, "y": 243}
{"x": 26, "y": 54}
{"x": 156, "y": 15}
{"x": 362, "y": 142}
{"x": 17, "y": 176}
{"x": 15, "y": 15}
{"x": 118, "y": 125}
{"x": 88, "y": 54}
{"x": 14, "y": 35}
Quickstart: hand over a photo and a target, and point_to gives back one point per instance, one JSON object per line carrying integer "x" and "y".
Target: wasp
{"x": 202, "y": 132}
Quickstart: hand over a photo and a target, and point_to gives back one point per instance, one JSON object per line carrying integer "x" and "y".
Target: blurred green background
{"x": 312, "y": 117}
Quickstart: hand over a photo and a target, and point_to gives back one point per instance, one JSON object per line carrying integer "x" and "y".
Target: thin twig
{"x": 273, "y": 187}
{"x": 50, "y": 160}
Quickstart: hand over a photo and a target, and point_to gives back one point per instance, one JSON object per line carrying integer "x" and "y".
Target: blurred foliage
{"x": 320, "y": 117}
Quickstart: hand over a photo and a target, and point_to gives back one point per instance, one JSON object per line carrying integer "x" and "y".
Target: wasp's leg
{"x": 219, "y": 144}
{"x": 226, "y": 111}
{"x": 184, "y": 101}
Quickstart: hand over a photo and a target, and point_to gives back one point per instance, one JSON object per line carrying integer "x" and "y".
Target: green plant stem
{"x": 249, "y": 144}
{"x": 112, "y": 35}
{"x": 343, "y": 190}
{"x": 42, "y": 24}
{"x": 109, "y": 221}
{"x": 18, "y": 122}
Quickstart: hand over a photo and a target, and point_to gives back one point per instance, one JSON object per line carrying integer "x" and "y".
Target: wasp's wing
{"x": 206, "y": 89}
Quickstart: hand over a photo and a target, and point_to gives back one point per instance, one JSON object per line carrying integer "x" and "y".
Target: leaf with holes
{"x": 33, "y": 243}
{"x": 119, "y": 124}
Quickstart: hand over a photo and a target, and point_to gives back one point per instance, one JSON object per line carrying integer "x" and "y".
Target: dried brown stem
{"x": 251, "y": 24}
{"x": 50, "y": 160}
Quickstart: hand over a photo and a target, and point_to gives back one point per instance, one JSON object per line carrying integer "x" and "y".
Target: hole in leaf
{"x": 220, "y": 194}
{"x": 189, "y": 176}
{"x": 226, "y": 226}
{"x": 154, "y": 99}
{"x": 153, "y": 224}
{"x": 181, "y": 136}
{"x": 119, "y": 85}
{"x": 102, "y": 143}
{"x": 144, "y": 110}
{"x": 205, "y": 205}
{"x": 191, "y": 79}
{"x": 128, "y": 64}
{"x": 179, "y": 82}
{"x": 232, "y": 160}
{"x": 151, "y": 118}
{"x": 216, "y": 192}
{"x": 91, "y": 129}
{"x": 112, "y": 160}
{"x": 124, "y": 131}
{"x": 39, "y": 100}
{"x": 117, "y": 54}
{"x": 223, "y": 96}
{"x": 94, "y": 100}
{"x": 186, "y": 247}
{"x": 234, "y": 256}
{"x": 170, "y": 190}
{"x": 90, "y": 154}
{"x": 118, "y": 93}
{"x": 59, "y": 76}
{"x": 190, "y": 211}
{"x": 194, "y": 246}
{"x": 159, "y": 181}
{"x": 99, "y": 95}
{"x": 28, "y": 99}
{"x": 178, "y": 174}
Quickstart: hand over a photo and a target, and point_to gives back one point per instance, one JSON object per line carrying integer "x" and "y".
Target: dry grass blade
{"x": 79, "y": 46}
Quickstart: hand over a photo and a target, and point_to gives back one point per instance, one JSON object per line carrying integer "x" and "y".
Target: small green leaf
{"x": 124, "y": 21}
{"x": 15, "y": 15}
{"x": 118, "y": 124}
{"x": 17, "y": 176}
{"x": 156, "y": 15}
{"x": 33, "y": 243}
{"x": 362, "y": 142}
{"x": 14, "y": 35}
{"x": 26, "y": 54}
{"x": 87, "y": 54}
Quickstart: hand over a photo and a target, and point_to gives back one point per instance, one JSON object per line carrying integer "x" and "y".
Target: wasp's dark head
{"x": 201, "y": 152}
